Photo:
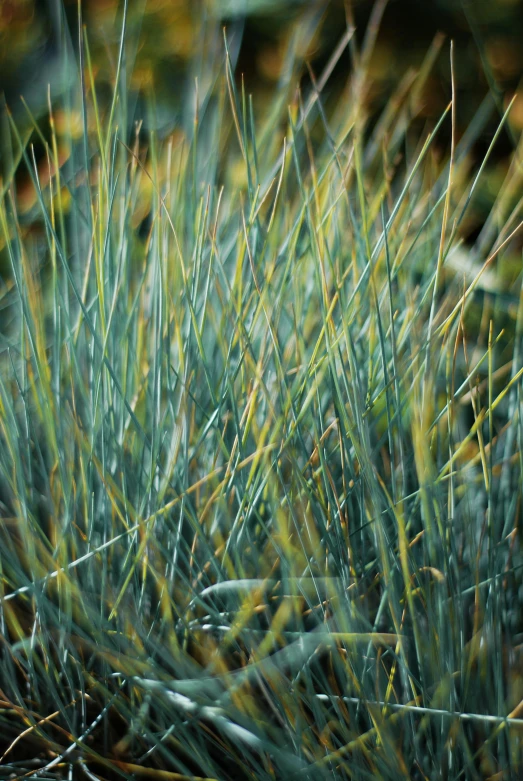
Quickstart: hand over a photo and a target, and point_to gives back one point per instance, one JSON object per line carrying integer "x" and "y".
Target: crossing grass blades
{"x": 261, "y": 437}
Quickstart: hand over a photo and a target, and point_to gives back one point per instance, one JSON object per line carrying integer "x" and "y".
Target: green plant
{"x": 260, "y": 473}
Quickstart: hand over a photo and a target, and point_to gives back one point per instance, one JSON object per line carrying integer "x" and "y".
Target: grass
{"x": 261, "y": 438}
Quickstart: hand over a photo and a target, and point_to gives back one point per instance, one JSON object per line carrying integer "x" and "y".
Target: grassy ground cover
{"x": 261, "y": 438}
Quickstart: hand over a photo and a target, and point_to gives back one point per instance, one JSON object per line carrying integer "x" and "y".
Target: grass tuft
{"x": 261, "y": 437}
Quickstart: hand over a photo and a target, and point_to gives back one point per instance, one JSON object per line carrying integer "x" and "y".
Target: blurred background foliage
{"x": 171, "y": 45}
{"x": 168, "y": 33}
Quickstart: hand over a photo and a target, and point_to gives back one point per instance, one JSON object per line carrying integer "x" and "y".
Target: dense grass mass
{"x": 261, "y": 438}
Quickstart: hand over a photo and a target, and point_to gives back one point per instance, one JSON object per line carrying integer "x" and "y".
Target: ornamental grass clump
{"x": 261, "y": 437}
